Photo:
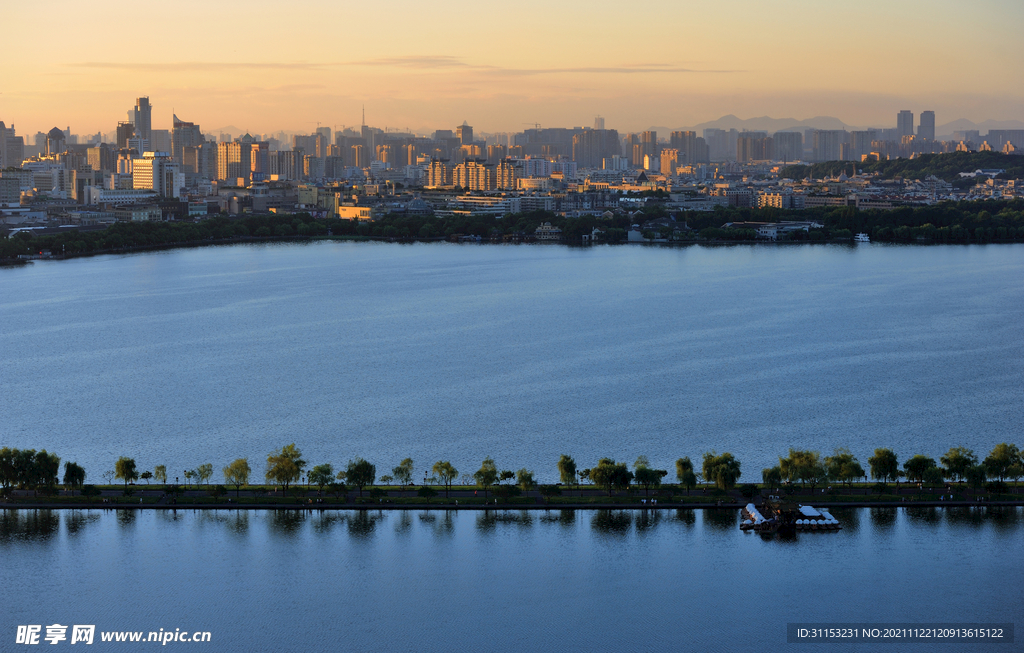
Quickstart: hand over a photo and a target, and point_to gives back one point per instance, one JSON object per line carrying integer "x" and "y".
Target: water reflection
{"x": 326, "y": 520}
{"x": 612, "y": 522}
{"x": 686, "y": 516}
{"x": 363, "y": 523}
{"x": 286, "y": 522}
{"x": 238, "y": 522}
{"x": 882, "y": 518}
{"x": 35, "y": 525}
{"x": 565, "y": 517}
{"x": 76, "y": 520}
{"x": 489, "y": 519}
{"x": 126, "y": 519}
{"x": 647, "y": 520}
{"x": 924, "y": 515}
{"x": 722, "y": 520}
{"x": 404, "y": 522}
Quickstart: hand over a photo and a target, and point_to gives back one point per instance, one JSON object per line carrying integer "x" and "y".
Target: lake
{"x": 521, "y": 353}
{"x": 513, "y": 580}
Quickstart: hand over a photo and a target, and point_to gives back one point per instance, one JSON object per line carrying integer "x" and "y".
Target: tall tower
{"x": 599, "y": 123}
{"x": 142, "y": 117}
{"x": 927, "y": 126}
{"x": 464, "y": 133}
{"x": 905, "y": 123}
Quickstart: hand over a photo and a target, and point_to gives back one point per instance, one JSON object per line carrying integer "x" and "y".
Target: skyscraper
{"x": 905, "y": 124}
{"x": 599, "y": 123}
{"x": 184, "y": 134}
{"x": 142, "y": 117}
{"x": 927, "y": 127}
{"x": 464, "y": 133}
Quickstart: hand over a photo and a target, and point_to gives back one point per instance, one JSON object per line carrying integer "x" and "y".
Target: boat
{"x": 861, "y": 238}
{"x": 787, "y": 517}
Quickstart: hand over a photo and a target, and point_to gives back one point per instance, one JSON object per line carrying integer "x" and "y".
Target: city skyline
{"x": 427, "y": 67}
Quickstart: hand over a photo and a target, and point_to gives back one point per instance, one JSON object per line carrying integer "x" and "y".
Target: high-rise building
{"x": 904, "y": 124}
{"x": 233, "y": 161}
{"x": 439, "y": 174}
{"x": 101, "y": 158}
{"x": 927, "y": 126}
{"x": 12, "y": 147}
{"x": 591, "y": 146}
{"x": 55, "y": 142}
{"x": 669, "y": 160}
{"x": 184, "y": 134}
{"x": 599, "y": 123}
{"x": 789, "y": 146}
{"x": 464, "y": 133}
{"x": 754, "y": 146}
{"x": 506, "y": 175}
{"x": 142, "y": 117}
{"x": 125, "y": 130}
{"x": 474, "y": 176}
{"x": 155, "y": 171}
{"x": 828, "y": 144}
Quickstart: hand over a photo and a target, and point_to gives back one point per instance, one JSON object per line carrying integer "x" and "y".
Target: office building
{"x": 142, "y": 117}
{"x": 753, "y": 146}
{"x": 904, "y": 124}
{"x": 464, "y": 133}
{"x": 156, "y": 171}
{"x": 927, "y": 127}
{"x": 184, "y": 134}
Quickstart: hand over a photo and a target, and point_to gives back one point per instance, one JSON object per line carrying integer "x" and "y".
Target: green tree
{"x": 46, "y": 468}
{"x": 387, "y": 479}
{"x": 999, "y": 461}
{"x": 285, "y": 467}
{"x": 447, "y": 473}
{"x": 611, "y": 475}
{"x": 360, "y": 474}
{"x": 584, "y": 475}
{"x": 525, "y": 480}
{"x": 74, "y": 476}
{"x": 146, "y": 476}
{"x": 932, "y": 476}
{"x": 321, "y": 475}
{"x": 956, "y": 461}
{"x": 403, "y": 473}
{"x": 648, "y": 478}
{"x": 884, "y": 466}
{"x": 566, "y": 470}
{"x": 506, "y": 475}
{"x": 975, "y": 475}
{"x": 916, "y": 466}
{"x": 771, "y": 477}
{"x": 487, "y": 475}
{"x": 683, "y": 465}
{"x": 8, "y": 470}
{"x": 427, "y": 492}
{"x": 237, "y": 474}
{"x": 842, "y": 466}
{"x": 722, "y": 470}
{"x": 641, "y": 462}
{"x": 160, "y": 473}
{"x": 803, "y": 466}
{"x": 204, "y": 472}
{"x": 125, "y": 470}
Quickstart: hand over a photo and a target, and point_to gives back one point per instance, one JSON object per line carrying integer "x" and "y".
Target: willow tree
{"x": 566, "y": 470}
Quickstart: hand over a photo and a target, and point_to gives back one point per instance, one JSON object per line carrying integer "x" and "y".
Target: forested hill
{"x": 943, "y": 166}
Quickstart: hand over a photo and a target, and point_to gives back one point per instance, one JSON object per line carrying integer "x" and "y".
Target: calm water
{"x": 519, "y": 353}
{"x": 518, "y": 581}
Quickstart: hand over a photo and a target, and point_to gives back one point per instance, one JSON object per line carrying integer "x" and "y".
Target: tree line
{"x": 40, "y": 470}
{"x": 947, "y": 222}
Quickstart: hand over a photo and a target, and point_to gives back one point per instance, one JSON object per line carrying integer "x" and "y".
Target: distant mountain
{"x": 771, "y": 125}
{"x": 946, "y": 131}
{"x": 764, "y": 123}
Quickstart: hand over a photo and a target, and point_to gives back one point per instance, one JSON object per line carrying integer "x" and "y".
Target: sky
{"x": 266, "y": 66}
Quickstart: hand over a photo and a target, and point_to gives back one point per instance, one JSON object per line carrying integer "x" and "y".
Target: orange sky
{"x": 265, "y": 66}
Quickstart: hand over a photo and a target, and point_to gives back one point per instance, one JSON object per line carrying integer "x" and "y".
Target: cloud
{"x": 194, "y": 66}
{"x": 427, "y": 62}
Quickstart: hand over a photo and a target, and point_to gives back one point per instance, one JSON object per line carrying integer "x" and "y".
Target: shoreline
{"x": 493, "y": 507}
